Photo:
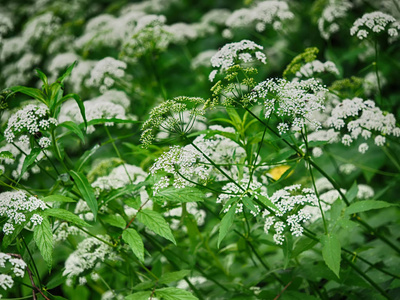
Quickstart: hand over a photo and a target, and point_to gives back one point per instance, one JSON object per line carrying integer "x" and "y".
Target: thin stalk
{"x": 95, "y": 236}
{"x": 118, "y": 153}
{"x": 367, "y": 278}
{"x": 377, "y": 72}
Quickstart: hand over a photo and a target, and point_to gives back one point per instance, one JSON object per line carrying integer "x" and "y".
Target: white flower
{"x": 363, "y": 148}
{"x": 375, "y": 22}
{"x": 237, "y": 53}
{"x": 44, "y": 142}
{"x": 294, "y": 100}
{"x": 16, "y": 205}
{"x": 334, "y": 10}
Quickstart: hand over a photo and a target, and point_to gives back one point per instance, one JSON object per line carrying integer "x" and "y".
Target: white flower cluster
{"x": 328, "y": 22}
{"x": 296, "y": 101}
{"x": 105, "y": 72}
{"x": 20, "y": 71}
{"x": 21, "y": 145}
{"x": 292, "y": 203}
{"x": 6, "y": 25}
{"x": 181, "y": 32}
{"x": 112, "y": 104}
{"x": 119, "y": 178}
{"x": 375, "y": 22}
{"x": 315, "y": 67}
{"x": 363, "y": 119}
{"x": 17, "y": 267}
{"x": 149, "y": 35}
{"x": 18, "y": 207}
{"x": 63, "y": 230}
{"x": 261, "y": 15}
{"x": 231, "y": 190}
{"x": 188, "y": 162}
{"x": 59, "y": 63}
{"x": 30, "y": 119}
{"x": 89, "y": 253}
{"x": 241, "y": 52}
{"x": 41, "y": 26}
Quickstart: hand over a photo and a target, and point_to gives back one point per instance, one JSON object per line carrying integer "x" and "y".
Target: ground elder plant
{"x": 230, "y": 150}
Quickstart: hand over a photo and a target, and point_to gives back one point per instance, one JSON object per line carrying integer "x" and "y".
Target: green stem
{"x": 118, "y": 153}
{"x": 377, "y": 72}
{"x": 367, "y": 278}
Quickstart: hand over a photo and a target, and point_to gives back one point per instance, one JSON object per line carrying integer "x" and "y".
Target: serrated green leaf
{"x": 64, "y": 214}
{"x": 29, "y": 160}
{"x": 145, "y": 285}
{"x": 264, "y": 200}
{"x": 331, "y": 252}
{"x": 366, "y": 205}
{"x": 155, "y": 222}
{"x": 86, "y": 191}
{"x": 351, "y": 194}
{"x": 173, "y": 276}
{"x": 171, "y": 293}
{"x": 226, "y": 223}
{"x": 73, "y": 127}
{"x": 58, "y": 198}
{"x": 114, "y": 220}
{"x": 43, "y": 237}
{"x": 248, "y": 202}
{"x": 134, "y": 240}
{"x": 139, "y": 296}
{"x": 172, "y": 194}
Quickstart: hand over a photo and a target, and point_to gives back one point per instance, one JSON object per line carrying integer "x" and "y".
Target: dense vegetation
{"x": 175, "y": 149}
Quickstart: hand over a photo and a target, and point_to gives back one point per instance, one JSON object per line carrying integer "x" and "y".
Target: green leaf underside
{"x": 366, "y": 205}
{"x": 155, "y": 222}
{"x": 64, "y": 215}
{"x": 173, "y": 276}
{"x": 44, "y": 240}
{"x": 73, "y": 127}
{"x": 331, "y": 252}
{"x": 114, "y": 220}
{"x": 86, "y": 191}
{"x": 226, "y": 223}
{"x": 134, "y": 240}
{"x": 29, "y": 160}
{"x": 139, "y": 296}
{"x": 58, "y": 198}
{"x": 171, "y": 293}
{"x": 172, "y": 194}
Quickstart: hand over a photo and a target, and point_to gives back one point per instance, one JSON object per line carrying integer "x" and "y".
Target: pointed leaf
{"x": 86, "y": 191}
{"x": 331, "y": 252}
{"x": 366, "y": 205}
{"x": 42, "y": 77}
{"x": 171, "y": 293}
{"x": 31, "y": 92}
{"x": 114, "y": 220}
{"x": 248, "y": 202}
{"x": 85, "y": 157}
{"x": 135, "y": 242}
{"x": 156, "y": 222}
{"x": 43, "y": 237}
{"x": 73, "y": 127}
{"x": 58, "y": 198}
{"x": 352, "y": 192}
{"x": 264, "y": 200}
{"x": 66, "y": 215}
{"x": 173, "y": 276}
{"x": 67, "y": 72}
{"x": 226, "y": 223}
{"x": 78, "y": 101}
{"x": 29, "y": 160}
{"x": 139, "y": 296}
{"x": 172, "y": 194}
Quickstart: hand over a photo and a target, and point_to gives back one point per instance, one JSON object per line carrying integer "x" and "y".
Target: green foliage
{"x": 135, "y": 242}
{"x": 155, "y": 222}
